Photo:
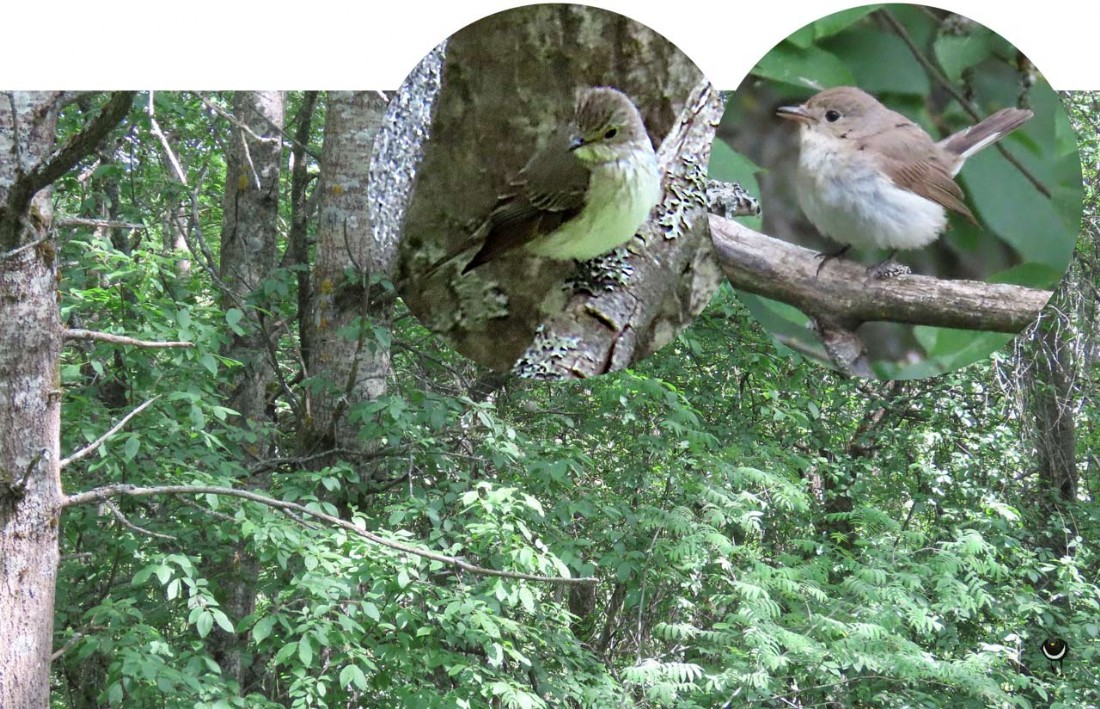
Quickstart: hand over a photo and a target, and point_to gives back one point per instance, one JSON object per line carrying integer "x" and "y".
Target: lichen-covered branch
{"x": 672, "y": 277}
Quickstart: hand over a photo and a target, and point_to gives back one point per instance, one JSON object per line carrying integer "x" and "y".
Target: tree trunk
{"x": 495, "y": 105}
{"x": 343, "y": 350}
{"x": 30, "y": 407}
{"x": 248, "y": 254}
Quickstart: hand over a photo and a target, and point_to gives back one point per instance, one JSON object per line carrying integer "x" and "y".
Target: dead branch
{"x": 130, "y": 525}
{"x": 843, "y": 292}
{"x": 96, "y": 223}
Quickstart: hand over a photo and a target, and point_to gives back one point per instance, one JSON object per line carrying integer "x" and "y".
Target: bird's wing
{"x": 927, "y": 175}
{"x": 931, "y": 179}
{"x": 550, "y": 189}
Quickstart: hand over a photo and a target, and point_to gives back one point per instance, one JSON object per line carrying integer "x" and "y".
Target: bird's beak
{"x": 794, "y": 113}
{"x": 575, "y": 142}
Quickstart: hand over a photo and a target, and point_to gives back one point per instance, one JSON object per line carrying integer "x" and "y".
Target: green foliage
{"x": 762, "y": 532}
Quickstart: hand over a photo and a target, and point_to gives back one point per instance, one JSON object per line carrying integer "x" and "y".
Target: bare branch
{"x": 843, "y": 293}
{"x": 108, "y": 491}
{"x": 130, "y": 525}
{"x": 69, "y": 645}
{"x": 83, "y": 452}
{"x": 159, "y": 134}
{"x": 73, "y": 334}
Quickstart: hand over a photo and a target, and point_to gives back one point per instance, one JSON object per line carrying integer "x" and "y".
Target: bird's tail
{"x": 970, "y": 140}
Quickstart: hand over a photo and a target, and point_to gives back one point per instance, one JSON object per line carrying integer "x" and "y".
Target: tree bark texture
{"x": 344, "y": 350}
{"x": 248, "y": 246}
{"x": 30, "y": 410}
{"x": 250, "y": 221}
{"x": 508, "y": 84}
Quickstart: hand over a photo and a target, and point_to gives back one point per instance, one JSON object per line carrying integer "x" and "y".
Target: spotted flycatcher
{"x": 585, "y": 193}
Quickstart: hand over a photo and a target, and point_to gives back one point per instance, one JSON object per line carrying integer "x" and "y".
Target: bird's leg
{"x": 826, "y": 257}
{"x": 888, "y": 268}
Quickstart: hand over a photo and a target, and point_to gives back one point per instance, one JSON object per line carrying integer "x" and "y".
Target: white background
{"x": 323, "y": 44}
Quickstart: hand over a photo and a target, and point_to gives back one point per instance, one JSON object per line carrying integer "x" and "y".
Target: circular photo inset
{"x": 543, "y": 174}
{"x": 920, "y": 187}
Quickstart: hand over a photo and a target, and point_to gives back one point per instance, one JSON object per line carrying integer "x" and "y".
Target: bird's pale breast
{"x": 620, "y": 196}
{"x": 853, "y": 202}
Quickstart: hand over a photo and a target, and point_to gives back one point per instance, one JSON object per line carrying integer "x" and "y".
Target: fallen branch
{"x": 109, "y": 491}
{"x": 73, "y": 334}
{"x": 843, "y": 293}
{"x": 83, "y": 452}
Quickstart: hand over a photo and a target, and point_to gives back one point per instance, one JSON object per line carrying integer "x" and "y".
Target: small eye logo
{"x": 1055, "y": 650}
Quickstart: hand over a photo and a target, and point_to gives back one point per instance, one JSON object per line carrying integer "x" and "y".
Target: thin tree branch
{"x": 83, "y": 452}
{"x": 159, "y": 135}
{"x": 103, "y": 493}
{"x": 844, "y": 294}
{"x": 130, "y": 525}
{"x": 96, "y": 223}
{"x": 74, "y": 334}
{"x": 69, "y": 645}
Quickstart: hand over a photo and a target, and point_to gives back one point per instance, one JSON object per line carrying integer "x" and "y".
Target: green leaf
{"x": 840, "y": 21}
{"x": 371, "y": 611}
{"x": 131, "y": 447}
{"x": 233, "y": 318}
{"x": 810, "y": 68}
{"x": 351, "y": 675}
{"x": 305, "y": 651}
{"x": 285, "y": 652}
{"x": 204, "y": 624}
{"x": 263, "y": 628}
{"x": 210, "y": 362}
{"x": 880, "y": 62}
{"x": 222, "y": 620}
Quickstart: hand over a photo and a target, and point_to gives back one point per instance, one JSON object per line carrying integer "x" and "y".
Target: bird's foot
{"x": 888, "y": 268}
{"x": 826, "y": 257}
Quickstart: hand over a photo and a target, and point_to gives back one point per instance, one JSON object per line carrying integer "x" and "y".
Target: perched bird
{"x": 585, "y": 193}
{"x": 869, "y": 177}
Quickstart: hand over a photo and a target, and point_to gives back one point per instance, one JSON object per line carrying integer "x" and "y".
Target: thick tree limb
{"x": 73, "y": 334}
{"x": 59, "y": 162}
{"x": 109, "y": 491}
{"x": 83, "y": 452}
{"x": 845, "y": 295}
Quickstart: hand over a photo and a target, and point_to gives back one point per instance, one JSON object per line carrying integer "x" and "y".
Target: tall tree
{"x": 348, "y": 348}
{"x": 249, "y": 237}
{"x": 30, "y": 392}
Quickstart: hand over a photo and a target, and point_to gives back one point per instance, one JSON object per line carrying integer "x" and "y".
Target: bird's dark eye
{"x": 611, "y": 133}
{"x": 832, "y": 116}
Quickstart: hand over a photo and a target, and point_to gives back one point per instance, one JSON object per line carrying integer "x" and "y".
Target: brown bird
{"x": 869, "y": 177}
